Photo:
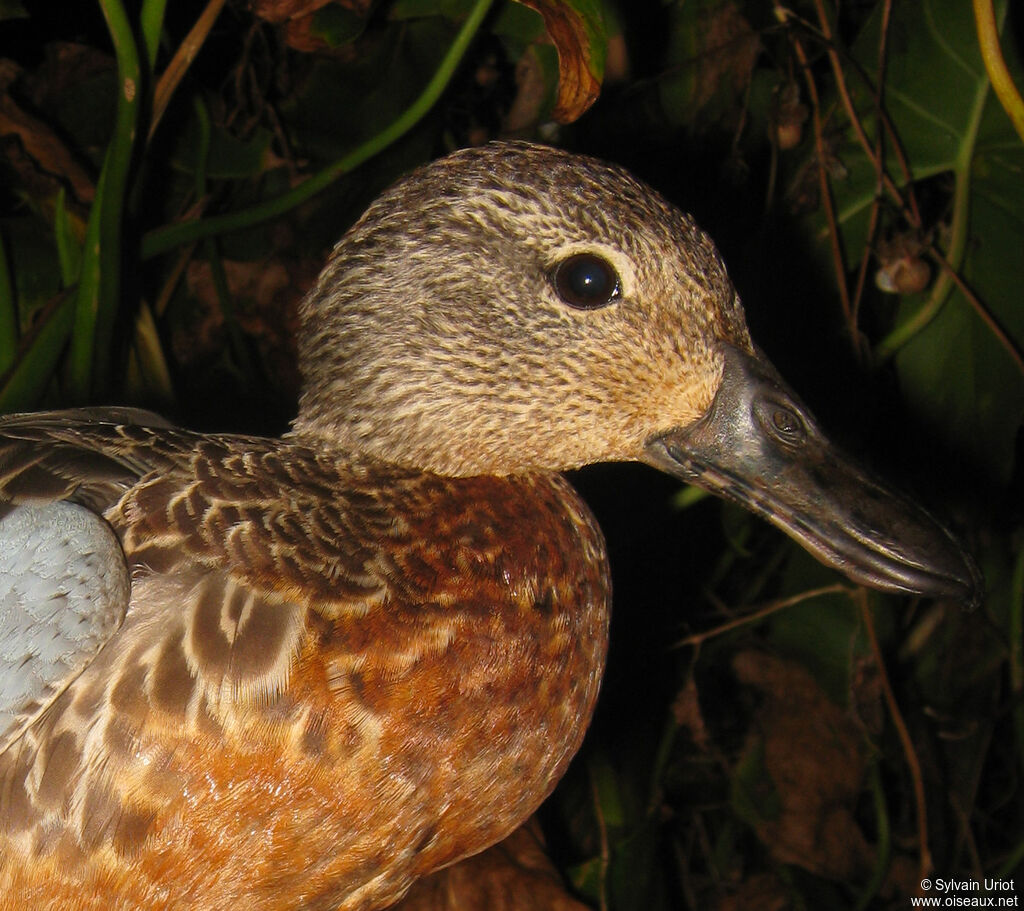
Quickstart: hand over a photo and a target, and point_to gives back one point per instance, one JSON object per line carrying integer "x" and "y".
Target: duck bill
{"x": 759, "y": 446}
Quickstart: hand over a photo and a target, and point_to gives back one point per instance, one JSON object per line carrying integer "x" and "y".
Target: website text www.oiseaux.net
{"x": 967, "y": 893}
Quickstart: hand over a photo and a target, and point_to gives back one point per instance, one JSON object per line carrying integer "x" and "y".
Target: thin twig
{"x": 907, "y": 206}
{"x": 983, "y": 312}
{"x": 963, "y": 819}
{"x": 844, "y": 94}
{"x": 862, "y": 276}
{"x": 879, "y": 157}
{"x": 913, "y": 216}
{"x": 782, "y": 14}
{"x": 163, "y": 239}
{"x": 1015, "y": 628}
{"x": 913, "y": 764}
{"x": 770, "y": 608}
{"x": 883, "y": 57}
{"x": 882, "y": 178}
{"x": 182, "y": 258}
{"x": 182, "y": 60}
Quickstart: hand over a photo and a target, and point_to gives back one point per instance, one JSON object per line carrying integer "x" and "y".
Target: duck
{"x": 306, "y": 671}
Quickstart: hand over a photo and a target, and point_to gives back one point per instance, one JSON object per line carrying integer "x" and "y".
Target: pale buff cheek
{"x": 664, "y": 390}
{"x": 678, "y": 400}
{"x": 620, "y": 428}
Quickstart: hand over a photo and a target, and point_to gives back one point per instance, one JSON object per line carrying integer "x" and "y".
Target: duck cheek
{"x": 672, "y": 402}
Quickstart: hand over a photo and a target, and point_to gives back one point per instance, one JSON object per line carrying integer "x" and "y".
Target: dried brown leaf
{"x": 278, "y": 11}
{"x": 816, "y": 757}
{"x": 514, "y": 875}
{"x": 580, "y": 61}
{"x": 42, "y": 160}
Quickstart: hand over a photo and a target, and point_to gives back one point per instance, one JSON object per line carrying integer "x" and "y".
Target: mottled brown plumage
{"x": 346, "y": 638}
{"x": 359, "y": 653}
{"x": 461, "y": 376}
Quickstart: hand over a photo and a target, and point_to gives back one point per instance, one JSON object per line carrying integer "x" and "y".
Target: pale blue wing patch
{"x": 64, "y": 588}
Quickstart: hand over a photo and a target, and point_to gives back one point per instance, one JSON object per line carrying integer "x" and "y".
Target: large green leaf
{"x": 954, "y": 369}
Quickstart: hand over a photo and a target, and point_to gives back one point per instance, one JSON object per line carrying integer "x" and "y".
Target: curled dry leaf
{"x": 42, "y": 160}
{"x": 577, "y": 31}
{"x": 687, "y": 713}
{"x": 296, "y": 19}
{"x": 514, "y": 875}
{"x": 278, "y": 11}
{"x": 728, "y": 48}
{"x": 266, "y": 295}
{"x": 901, "y": 268}
{"x": 788, "y": 116}
{"x": 816, "y": 757}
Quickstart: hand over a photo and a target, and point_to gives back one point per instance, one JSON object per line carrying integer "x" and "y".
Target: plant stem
{"x": 22, "y": 385}
{"x": 164, "y": 239}
{"x": 883, "y": 849}
{"x": 783, "y": 15}
{"x": 151, "y": 23}
{"x": 99, "y": 290}
{"x": 896, "y": 716}
{"x": 182, "y": 60}
{"x": 958, "y": 233}
{"x": 995, "y": 65}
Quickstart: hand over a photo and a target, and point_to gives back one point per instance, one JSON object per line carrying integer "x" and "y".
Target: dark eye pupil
{"x": 589, "y": 280}
{"x": 586, "y": 281}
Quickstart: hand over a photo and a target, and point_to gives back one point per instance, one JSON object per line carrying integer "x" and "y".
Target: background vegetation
{"x": 768, "y": 736}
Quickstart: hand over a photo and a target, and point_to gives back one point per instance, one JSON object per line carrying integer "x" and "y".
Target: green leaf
{"x": 577, "y": 30}
{"x": 519, "y": 22}
{"x": 151, "y": 20}
{"x": 69, "y": 251}
{"x": 98, "y": 297}
{"x": 954, "y": 370}
{"x": 607, "y": 792}
{"x": 337, "y": 25}
{"x": 228, "y": 157}
{"x": 22, "y": 386}
{"x": 172, "y": 235}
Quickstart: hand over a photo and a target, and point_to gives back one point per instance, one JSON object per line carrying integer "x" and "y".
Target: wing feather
{"x": 63, "y": 593}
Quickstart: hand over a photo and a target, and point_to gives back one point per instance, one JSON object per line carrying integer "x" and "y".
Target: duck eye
{"x": 586, "y": 281}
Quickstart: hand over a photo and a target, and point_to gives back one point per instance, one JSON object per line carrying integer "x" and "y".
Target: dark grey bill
{"x": 759, "y": 446}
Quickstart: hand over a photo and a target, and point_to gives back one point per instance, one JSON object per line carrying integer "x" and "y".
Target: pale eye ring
{"x": 586, "y": 281}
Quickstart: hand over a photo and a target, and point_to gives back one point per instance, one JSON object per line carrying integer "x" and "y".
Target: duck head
{"x": 517, "y": 308}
